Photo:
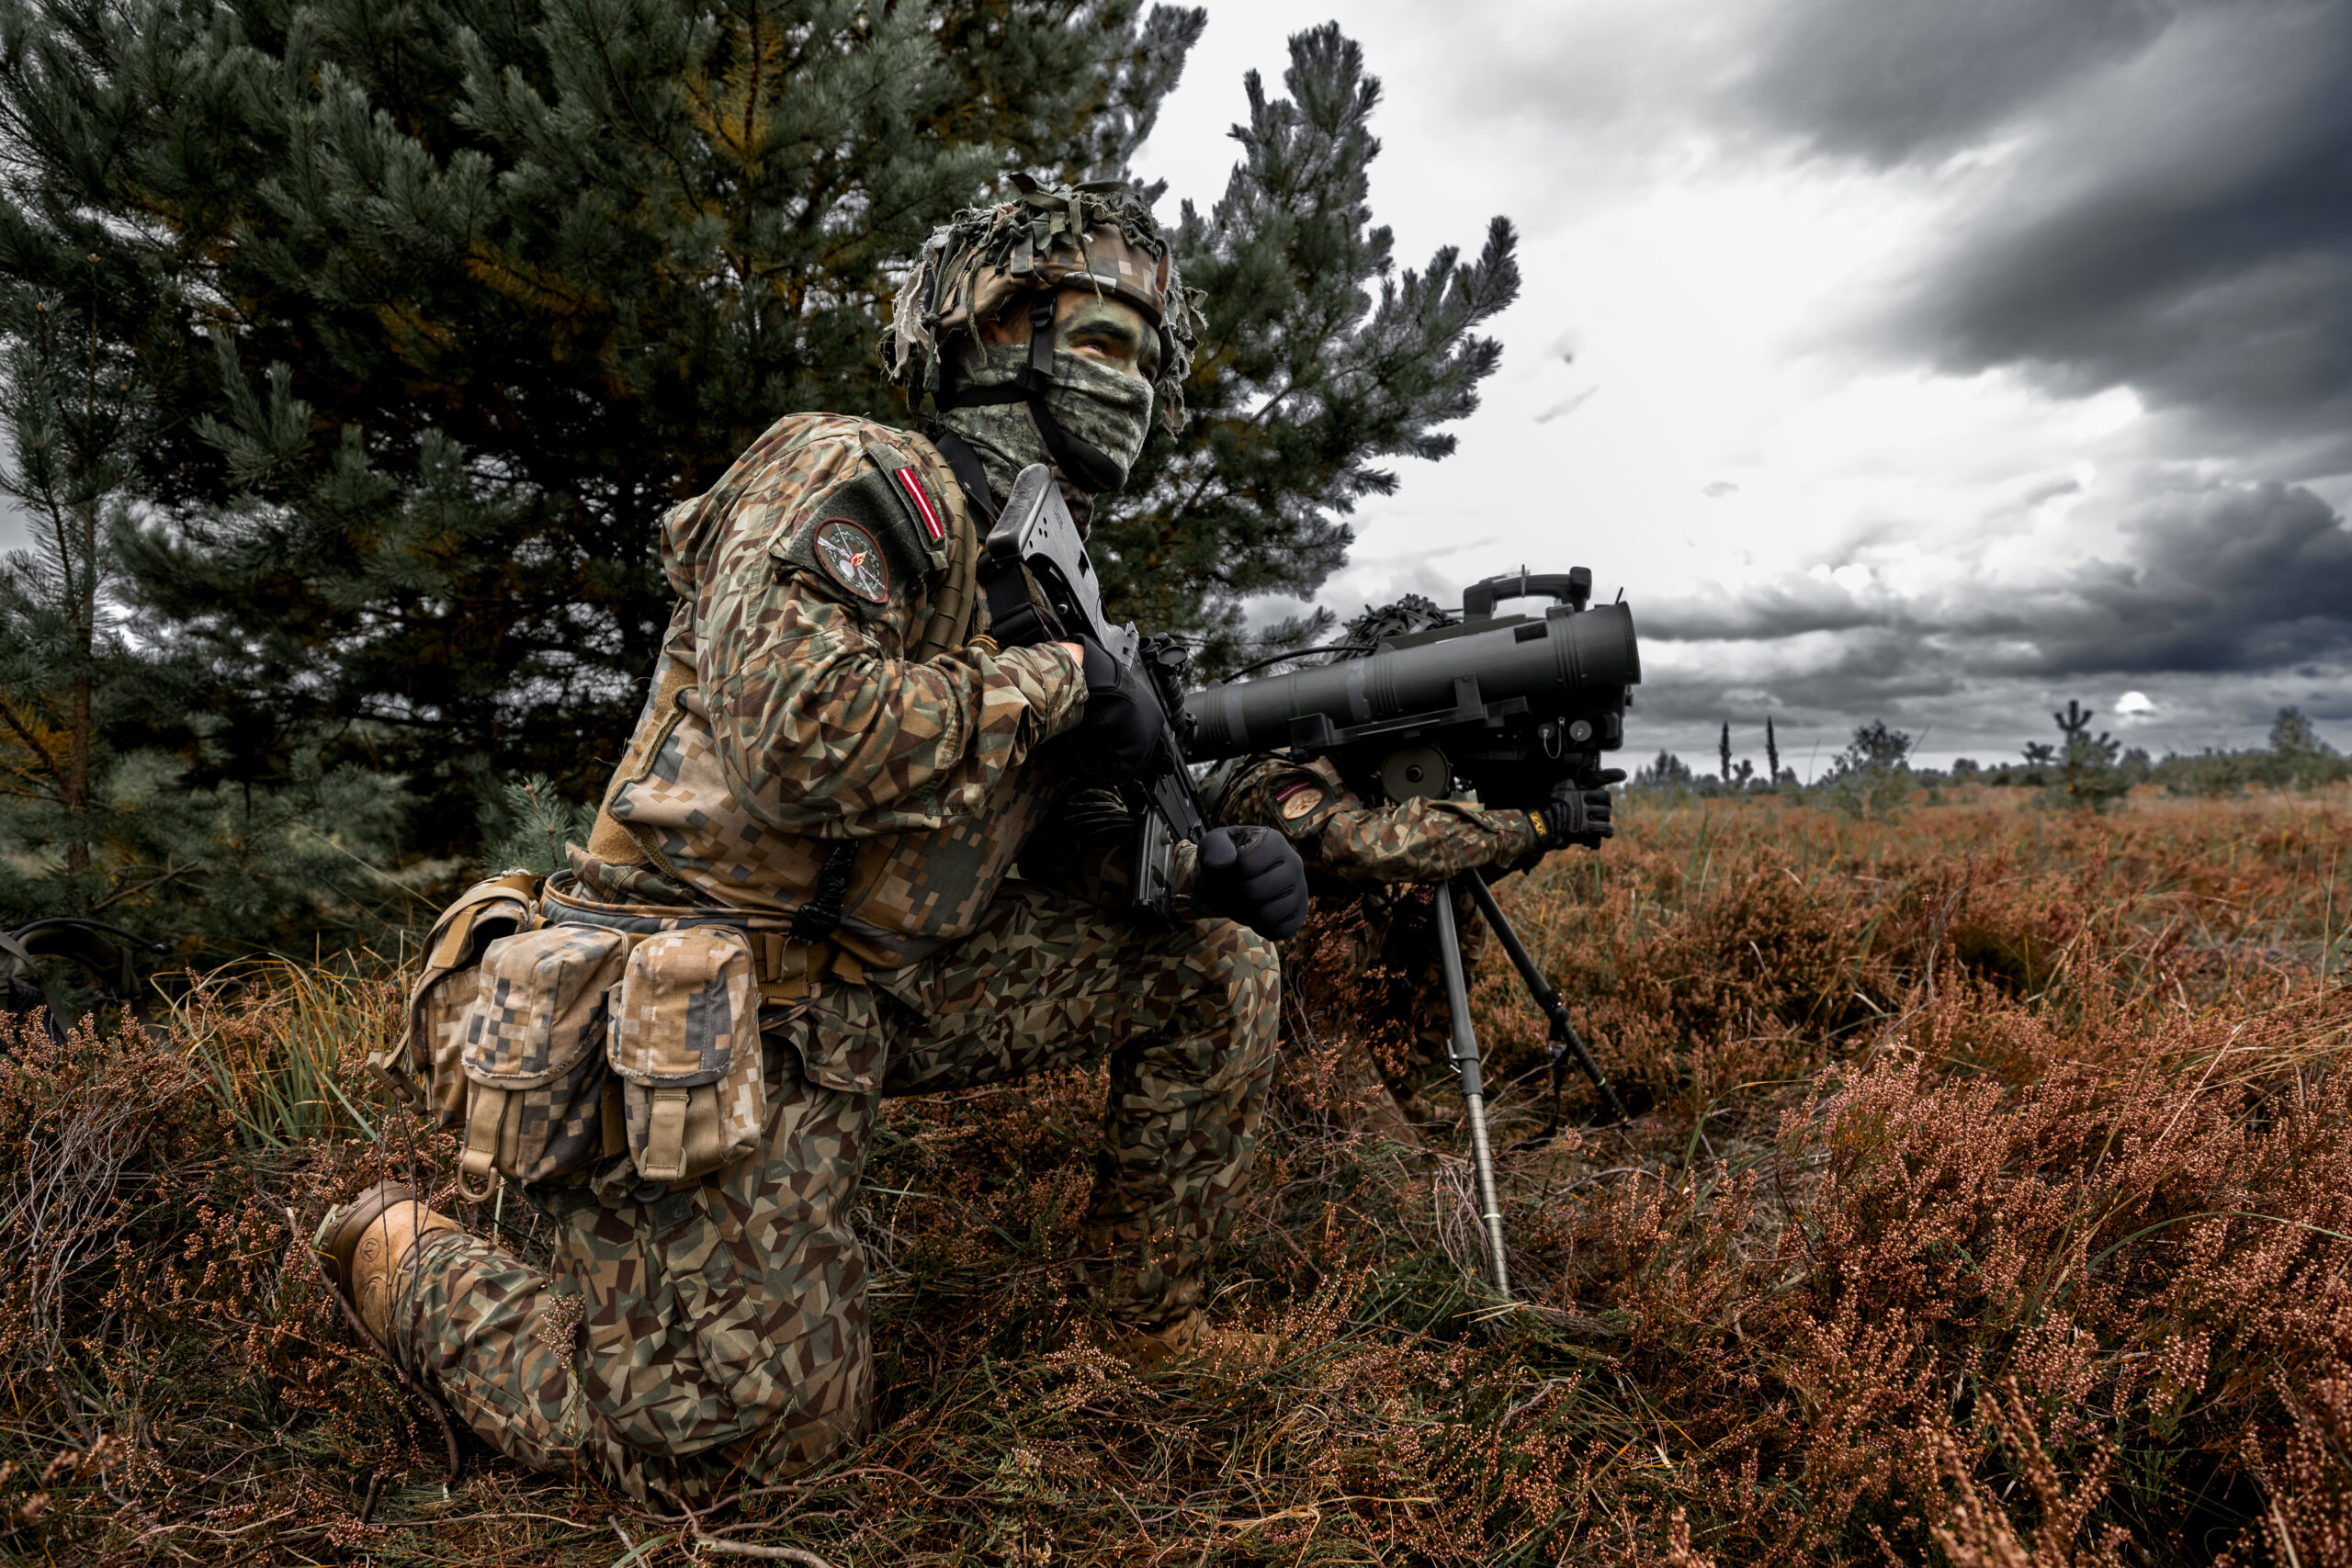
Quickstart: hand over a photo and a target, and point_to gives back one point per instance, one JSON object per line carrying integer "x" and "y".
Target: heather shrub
{"x": 1990, "y": 1202}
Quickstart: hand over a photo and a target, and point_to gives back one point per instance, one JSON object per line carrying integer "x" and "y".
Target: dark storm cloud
{"x": 2175, "y": 214}
{"x": 1788, "y": 608}
{"x": 1890, "y": 80}
{"x": 2236, "y": 578}
{"x": 2188, "y": 233}
{"x": 2252, "y": 579}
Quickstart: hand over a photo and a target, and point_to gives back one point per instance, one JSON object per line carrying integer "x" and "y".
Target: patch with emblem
{"x": 852, "y": 558}
{"x": 1297, "y": 801}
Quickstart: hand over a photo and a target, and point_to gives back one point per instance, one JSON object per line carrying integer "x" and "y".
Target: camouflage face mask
{"x": 1105, "y": 409}
{"x": 1002, "y": 434}
{"x": 1104, "y": 416}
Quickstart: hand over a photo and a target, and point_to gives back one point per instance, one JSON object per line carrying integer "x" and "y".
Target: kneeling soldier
{"x": 796, "y": 902}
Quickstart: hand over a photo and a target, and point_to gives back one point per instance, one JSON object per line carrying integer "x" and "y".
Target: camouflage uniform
{"x": 1356, "y": 856}
{"x": 824, "y": 763}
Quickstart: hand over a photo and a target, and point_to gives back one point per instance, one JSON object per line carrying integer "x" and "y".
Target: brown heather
{"x": 1991, "y": 1203}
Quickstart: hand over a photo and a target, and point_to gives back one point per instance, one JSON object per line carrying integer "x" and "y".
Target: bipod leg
{"x": 1473, "y": 1092}
{"x": 1563, "y": 1034}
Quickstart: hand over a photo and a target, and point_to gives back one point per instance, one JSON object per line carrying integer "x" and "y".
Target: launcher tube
{"x": 1554, "y": 658}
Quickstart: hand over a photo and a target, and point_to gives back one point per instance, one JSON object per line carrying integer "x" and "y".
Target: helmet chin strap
{"x": 1089, "y": 467}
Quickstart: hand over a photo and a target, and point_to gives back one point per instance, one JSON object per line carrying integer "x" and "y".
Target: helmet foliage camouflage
{"x": 1413, "y": 612}
{"x": 1098, "y": 235}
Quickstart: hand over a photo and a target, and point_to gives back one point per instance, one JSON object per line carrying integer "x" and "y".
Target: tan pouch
{"x": 427, "y": 1050}
{"x": 685, "y": 1042}
{"x": 533, "y": 1054}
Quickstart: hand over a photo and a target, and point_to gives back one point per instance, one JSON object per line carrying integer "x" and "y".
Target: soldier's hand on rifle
{"x": 1577, "y": 812}
{"x": 1252, "y": 876}
{"x": 1119, "y": 733}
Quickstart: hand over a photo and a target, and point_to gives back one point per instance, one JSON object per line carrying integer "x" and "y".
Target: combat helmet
{"x": 1413, "y": 612}
{"x": 1099, "y": 234}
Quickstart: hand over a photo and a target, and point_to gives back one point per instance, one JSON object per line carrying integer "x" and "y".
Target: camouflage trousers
{"x": 716, "y": 1333}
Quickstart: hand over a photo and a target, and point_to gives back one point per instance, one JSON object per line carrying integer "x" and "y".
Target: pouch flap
{"x": 476, "y": 917}
{"x": 689, "y": 1003}
{"x": 540, "y": 1003}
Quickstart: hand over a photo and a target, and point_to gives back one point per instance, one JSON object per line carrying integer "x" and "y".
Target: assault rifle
{"x": 1041, "y": 586}
{"x": 1512, "y": 706}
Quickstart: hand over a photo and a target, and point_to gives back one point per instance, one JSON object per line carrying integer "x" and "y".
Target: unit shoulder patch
{"x": 852, "y": 558}
{"x": 1298, "y": 800}
{"x": 868, "y": 517}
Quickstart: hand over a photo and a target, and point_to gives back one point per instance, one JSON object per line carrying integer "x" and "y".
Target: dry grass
{"x": 1991, "y": 1203}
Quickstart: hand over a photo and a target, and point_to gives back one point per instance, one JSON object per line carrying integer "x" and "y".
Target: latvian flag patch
{"x": 923, "y": 508}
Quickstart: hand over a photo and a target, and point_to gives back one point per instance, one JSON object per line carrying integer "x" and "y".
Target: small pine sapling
{"x": 2088, "y": 777}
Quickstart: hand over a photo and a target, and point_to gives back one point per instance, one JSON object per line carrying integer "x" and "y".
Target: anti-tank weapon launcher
{"x": 1512, "y": 706}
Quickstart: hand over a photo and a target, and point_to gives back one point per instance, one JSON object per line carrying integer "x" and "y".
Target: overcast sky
{"x": 1929, "y": 360}
{"x": 1913, "y": 359}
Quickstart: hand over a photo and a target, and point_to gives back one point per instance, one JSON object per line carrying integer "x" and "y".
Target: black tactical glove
{"x": 1252, "y": 876}
{"x": 1577, "y": 812}
{"x": 1122, "y": 723}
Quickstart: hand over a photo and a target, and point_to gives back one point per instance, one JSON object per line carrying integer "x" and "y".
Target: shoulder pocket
{"x": 685, "y": 1043}
{"x": 534, "y": 1066}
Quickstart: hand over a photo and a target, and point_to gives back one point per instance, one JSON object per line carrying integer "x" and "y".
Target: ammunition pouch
{"x": 422, "y": 1067}
{"x": 553, "y": 1032}
{"x": 685, "y": 1043}
{"x": 533, "y": 1054}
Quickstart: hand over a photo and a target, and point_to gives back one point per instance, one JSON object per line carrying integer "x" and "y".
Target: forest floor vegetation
{"x": 1988, "y": 1201}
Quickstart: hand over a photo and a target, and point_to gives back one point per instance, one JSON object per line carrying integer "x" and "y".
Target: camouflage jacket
{"x": 825, "y": 726}
{"x": 1347, "y": 844}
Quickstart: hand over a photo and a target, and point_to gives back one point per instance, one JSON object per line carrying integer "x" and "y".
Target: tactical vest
{"x": 884, "y": 900}
{"x": 558, "y": 1027}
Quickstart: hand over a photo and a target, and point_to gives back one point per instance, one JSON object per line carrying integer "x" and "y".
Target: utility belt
{"x": 554, "y": 1032}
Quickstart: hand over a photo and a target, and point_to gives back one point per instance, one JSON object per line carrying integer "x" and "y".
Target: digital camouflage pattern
{"x": 1347, "y": 844}
{"x": 534, "y": 1054}
{"x": 715, "y": 1334}
{"x": 1357, "y": 856}
{"x": 685, "y": 1041}
{"x": 789, "y": 715}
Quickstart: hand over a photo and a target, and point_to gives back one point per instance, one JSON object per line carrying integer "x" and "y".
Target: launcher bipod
{"x": 1565, "y": 1042}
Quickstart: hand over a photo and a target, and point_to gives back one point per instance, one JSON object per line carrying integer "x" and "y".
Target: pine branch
{"x": 147, "y": 887}
{"x": 32, "y": 743}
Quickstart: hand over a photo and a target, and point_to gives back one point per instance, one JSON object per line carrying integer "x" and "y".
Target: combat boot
{"x": 362, "y": 1245}
{"x": 1189, "y": 1338}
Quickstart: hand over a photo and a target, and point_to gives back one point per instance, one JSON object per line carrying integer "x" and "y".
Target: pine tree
{"x": 1771, "y": 751}
{"x": 2088, "y": 777}
{"x": 1873, "y": 775}
{"x": 111, "y": 801}
{"x": 1722, "y": 749}
{"x": 1320, "y": 361}
{"x": 445, "y": 305}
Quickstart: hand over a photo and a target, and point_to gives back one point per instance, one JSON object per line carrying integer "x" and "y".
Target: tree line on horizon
{"x": 2079, "y": 768}
{"x": 349, "y": 357}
